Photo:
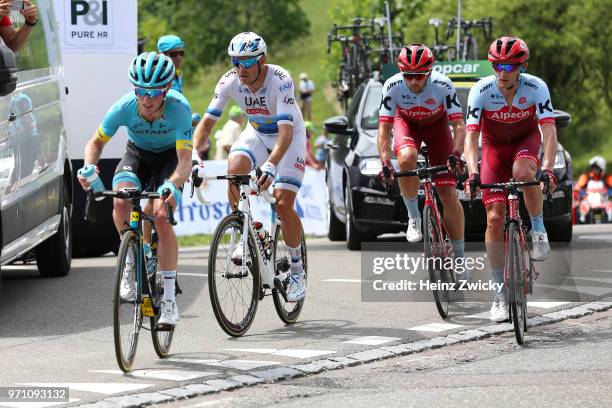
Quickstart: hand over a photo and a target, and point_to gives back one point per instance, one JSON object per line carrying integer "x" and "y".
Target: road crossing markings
{"x": 37, "y": 404}
{"x": 372, "y": 340}
{"x": 343, "y": 280}
{"x": 545, "y": 304}
{"x": 297, "y": 353}
{"x": 169, "y": 375}
{"x": 245, "y": 365}
{"x": 435, "y": 327}
{"x": 100, "y": 388}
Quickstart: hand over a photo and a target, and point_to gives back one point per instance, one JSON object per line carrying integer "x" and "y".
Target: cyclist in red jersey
{"x": 513, "y": 112}
{"x": 418, "y": 104}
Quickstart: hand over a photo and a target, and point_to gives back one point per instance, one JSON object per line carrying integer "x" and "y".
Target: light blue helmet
{"x": 247, "y": 44}
{"x": 169, "y": 42}
{"x": 151, "y": 70}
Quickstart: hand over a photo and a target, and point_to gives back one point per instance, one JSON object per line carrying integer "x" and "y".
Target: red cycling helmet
{"x": 415, "y": 58}
{"x": 508, "y": 50}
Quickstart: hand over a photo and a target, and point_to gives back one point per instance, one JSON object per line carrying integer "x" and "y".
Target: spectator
{"x": 173, "y": 47}
{"x": 320, "y": 148}
{"x": 310, "y": 159}
{"x": 307, "y": 87}
{"x": 15, "y": 39}
{"x": 230, "y": 132}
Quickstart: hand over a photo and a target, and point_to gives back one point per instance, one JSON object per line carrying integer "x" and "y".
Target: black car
{"x": 358, "y": 207}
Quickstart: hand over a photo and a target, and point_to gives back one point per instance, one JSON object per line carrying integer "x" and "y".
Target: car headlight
{"x": 560, "y": 160}
{"x": 373, "y": 166}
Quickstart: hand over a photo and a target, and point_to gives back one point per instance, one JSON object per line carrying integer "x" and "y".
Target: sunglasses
{"x": 150, "y": 92}
{"x": 505, "y": 67}
{"x": 410, "y": 76}
{"x": 245, "y": 63}
{"x": 175, "y": 54}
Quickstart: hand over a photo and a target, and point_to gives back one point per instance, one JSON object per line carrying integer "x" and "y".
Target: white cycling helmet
{"x": 247, "y": 44}
{"x": 599, "y": 162}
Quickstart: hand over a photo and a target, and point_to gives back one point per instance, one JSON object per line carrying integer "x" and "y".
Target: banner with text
{"x": 194, "y": 218}
{"x": 97, "y": 26}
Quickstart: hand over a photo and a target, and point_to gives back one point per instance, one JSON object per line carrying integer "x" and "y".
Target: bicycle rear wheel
{"x": 433, "y": 241}
{"x": 287, "y": 311}
{"x": 234, "y": 290}
{"x": 516, "y": 285}
{"x": 127, "y": 315}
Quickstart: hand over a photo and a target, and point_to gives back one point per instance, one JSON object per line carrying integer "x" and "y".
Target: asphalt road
{"x": 59, "y": 331}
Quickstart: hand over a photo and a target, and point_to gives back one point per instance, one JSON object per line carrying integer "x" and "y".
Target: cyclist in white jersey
{"x": 274, "y": 139}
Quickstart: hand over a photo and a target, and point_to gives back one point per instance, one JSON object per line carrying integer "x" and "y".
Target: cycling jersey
{"x": 488, "y": 112}
{"x": 171, "y": 130}
{"x": 177, "y": 82}
{"x": 438, "y": 99}
{"x": 273, "y": 104}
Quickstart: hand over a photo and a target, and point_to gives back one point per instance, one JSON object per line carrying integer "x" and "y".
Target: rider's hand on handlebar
{"x": 385, "y": 176}
{"x": 472, "y": 185}
{"x": 268, "y": 170}
{"x": 552, "y": 180}
{"x": 456, "y": 166}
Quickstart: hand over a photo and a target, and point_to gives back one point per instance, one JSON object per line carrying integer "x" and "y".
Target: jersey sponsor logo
{"x": 280, "y": 74}
{"x": 407, "y": 97}
{"x": 452, "y": 101}
{"x": 472, "y": 112}
{"x": 484, "y": 88}
{"x": 443, "y": 83}
{"x": 300, "y": 164}
{"x": 531, "y": 85}
{"x": 242, "y": 89}
{"x": 420, "y": 112}
{"x": 510, "y": 115}
{"x": 522, "y": 100}
{"x": 545, "y": 107}
{"x": 385, "y": 103}
{"x": 288, "y": 100}
{"x": 251, "y": 111}
{"x": 392, "y": 84}
{"x": 430, "y": 101}
{"x": 229, "y": 73}
{"x": 286, "y": 87}
{"x": 250, "y": 101}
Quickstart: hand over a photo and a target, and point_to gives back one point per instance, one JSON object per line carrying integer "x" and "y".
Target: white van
{"x": 35, "y": 171}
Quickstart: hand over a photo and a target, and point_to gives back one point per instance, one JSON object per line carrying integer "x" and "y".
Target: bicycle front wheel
{"x": 516, "y": 282}
{"x": 287, "y": 311}
{"x": 433, "y": 242}
{"x": 234, "y": 290}
{"x": 162, "y": 339}
{"x": 127, "y": 316}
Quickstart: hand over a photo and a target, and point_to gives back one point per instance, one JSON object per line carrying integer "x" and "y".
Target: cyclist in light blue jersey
{"x": 158, "y": 155}
{"x": 172, "y": 46}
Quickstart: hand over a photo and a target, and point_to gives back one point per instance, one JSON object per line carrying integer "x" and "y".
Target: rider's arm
{"x": 93, "y": 150}
{"x": 184, "y": 145}
{"x": 114, "y": 118}
{"x": 546, "y": 120}
{"x": 549, "y": 132}
{"x": 183, "y": 168}
{"x": 458, "y": 135}
{"x": 471, "y": 151}
{"x": 202, "y": 132}
{"x": 383, "y": 140}
{"x": 455, "y": 116}
{"x": 474, "y": 112}
{"x": 286, "y": 111}
{"x": 386, "y": 115}
{"x": 285, "y": 136}
{"x": 214, "y": 110}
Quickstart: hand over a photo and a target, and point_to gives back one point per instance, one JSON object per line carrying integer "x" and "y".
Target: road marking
{"x": 170, "y": 375}
{"x": 37, "y": 404}
{"x": 546, "y": 304}
{"x": 435, "y": 327}
{"x": 197, "y": 275}
{"x": 343, "y": 280}
{"x": 372, "y": 340}
{"x": 222, "y": 401}
{"x": 100, "y": 388}
{"x": 297, "y": 353}
{"x": 235, "y": 364}
{"x": 481, "y": 315}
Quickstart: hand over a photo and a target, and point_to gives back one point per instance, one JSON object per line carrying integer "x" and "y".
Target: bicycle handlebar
{"x": 126, "y": 193}
{"x": 421, "y": 173}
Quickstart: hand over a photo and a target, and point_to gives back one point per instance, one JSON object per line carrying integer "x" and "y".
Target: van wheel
{"x": 335, "y": 227}
{"x": 54, "y": 256}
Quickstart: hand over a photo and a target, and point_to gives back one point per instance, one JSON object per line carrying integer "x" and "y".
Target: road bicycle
{"x": 468, "y": 46}
{"x": 519, "y": 271}
{"x": 237, "y": 287}
{"x": 436, "y": 239}
{"x": 440, "y": 51}
{"x": 145, "y": 282}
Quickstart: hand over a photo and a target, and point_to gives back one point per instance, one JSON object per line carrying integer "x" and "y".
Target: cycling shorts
{"x": 497, "y": 161}
{"x": 257, "y": 148}
{"x": 437, "y": 136}
{"x": 151, "y": 168}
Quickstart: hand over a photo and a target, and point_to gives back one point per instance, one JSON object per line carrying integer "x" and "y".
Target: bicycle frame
{"x": 514, "y": 217}
{"x": 430, "y": 201}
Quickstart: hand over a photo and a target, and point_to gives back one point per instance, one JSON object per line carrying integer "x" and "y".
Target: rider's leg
{"x": 167, "y": 252}
{"x": 453, "y": 212}
{"x": 146, "y": 227}
{"x": 121, "y": 207}
{"x": 494, "y": 241}
{"x": 236, "y": 164}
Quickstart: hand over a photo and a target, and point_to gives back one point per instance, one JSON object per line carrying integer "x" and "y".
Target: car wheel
{"x": 354, "y": 237}
{"x": 562, "y": 233}
{"x": 54, "y": 256}
{"x": 335, "y": 227}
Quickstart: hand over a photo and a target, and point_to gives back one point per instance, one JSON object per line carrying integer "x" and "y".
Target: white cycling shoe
{"x": 237, "y": 255}
{"x": 414, "y": 233}
{"x": 499, "y": 309}
{"x": 297, "y": 285}
{"x": 541, "y": 246}
{"x": 169, "y": 313}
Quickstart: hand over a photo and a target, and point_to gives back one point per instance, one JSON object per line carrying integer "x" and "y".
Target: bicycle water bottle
{"x": 149, "y": 261}
{"x": 262, "y": 234}
{"x": 95, "y": 183}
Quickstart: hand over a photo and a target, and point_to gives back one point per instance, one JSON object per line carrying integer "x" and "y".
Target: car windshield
{"x": 369, "y": 119}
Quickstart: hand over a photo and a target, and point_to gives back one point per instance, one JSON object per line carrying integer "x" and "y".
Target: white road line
{"x": 100, "y": 388}
{"x": 343, "y": 280}
{"x": 372, "y": 340}
{"x": 235, "y": 364}
{"x": 170, "y": 375}
{"x": 481, "y": 315}
{"x": 297, "y": 353}
{"x": 37, "y": 404}
{"x": 545, "y": 304}
{"x": 197, "y": 275}
{"x": 435, "y": 327}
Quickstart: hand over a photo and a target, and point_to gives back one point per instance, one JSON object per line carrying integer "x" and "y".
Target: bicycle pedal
{"x": 164, "y": 327}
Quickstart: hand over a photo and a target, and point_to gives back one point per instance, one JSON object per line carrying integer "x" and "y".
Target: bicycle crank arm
{"x": 278, "y": 284}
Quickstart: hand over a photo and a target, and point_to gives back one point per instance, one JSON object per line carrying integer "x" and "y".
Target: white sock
{"x": 169, "y": 278}
{"x": 297, "y": 268}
